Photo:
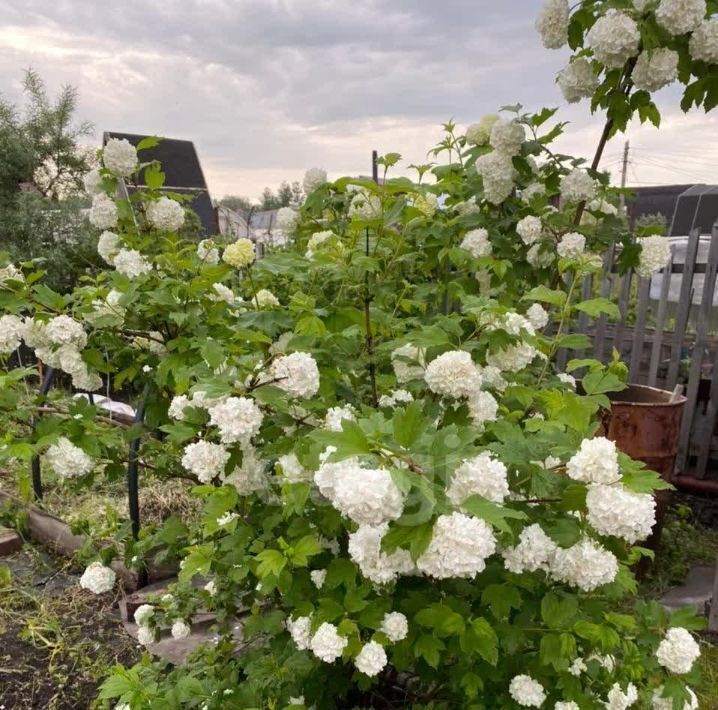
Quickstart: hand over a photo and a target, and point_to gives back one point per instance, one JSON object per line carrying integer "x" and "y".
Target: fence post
{"x": 133, "y": 499}
{"x": 35, "y": 467}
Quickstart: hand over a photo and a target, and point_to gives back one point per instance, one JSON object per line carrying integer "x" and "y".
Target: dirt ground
{"x": 57, "y": 641}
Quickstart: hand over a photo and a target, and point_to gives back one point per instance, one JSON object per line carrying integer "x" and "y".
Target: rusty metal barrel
{"x": 645, "y": 423}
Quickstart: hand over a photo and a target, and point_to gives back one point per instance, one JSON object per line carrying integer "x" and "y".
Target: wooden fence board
{"x": 600, "y": 337}
{"x": 639, "y": 331}
{"x": 684, "y": 306}
{"x": 660, "y": 323}
{"x": 623, "y": 302}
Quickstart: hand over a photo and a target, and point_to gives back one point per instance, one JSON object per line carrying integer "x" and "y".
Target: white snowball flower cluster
{"x": 408, "y": 363}
{"x": 585, "y": 565}
{"x": 614, "y": 39}
{"x": 395, "y": 626}
{"x": 497, "y": 173}
{"x": 297, "y": 374}
{"x": 97, "y": 578}
{"x": 316, "y": 240}
{"x": 477, "y": 243}
{"x": 377, "y": 566}
{"x": 145, "y": 636}
{"x": 222, "y": 293}
{"x": 64, "y": 330}
{"x": 453, "y": 374}
{"x": 103, "y": 213}
{"x": 529, "y": 228}
{"x": 678, "y": 651}
{"x": 119, "y": 156}
{"x": 577, "y": 80}
{"x": 539, "y": 258}
{"x": 512, "y": 358}
{"x": 507, "y": 136}
{"x": 655, "y": 253}
{"x": 292, "y": 470}
{"x": 11, "y": 330}
{"x": 371, "y": 659}
{"x": 535, "y": 551}
{"x": 526, "y": 691}
{"x": 617, "y": 699}
{"x": 655, "y": 69}
{"x": 180, "y": 629}
{"x": 614, "y": 510}
{"x": 92, "y": 182}
{"x": 287, "y": 219}
{"x": 365, "y": 205}
{"x": 237, "y": 418}
{"x": 661, "y": 703}
{"x": 239, "y": 254}
{"x": 577, "y": 186}
{"x": 567, "y": 379}
{"x": 552, "y": 23}
{"x": 571, "y": 245}
{"x": 131, "y": 263}
{"x": 537, "y": 315}
{"x": 596, "y": 461}
{"x": 300, "y": 629}
{"x": 178, "y": 406}
{"x": 313, "y": 179}
{"x": 478, "y": 133}
{"x": 205, "y": 460}
{"x": 427, "y": 203}
{"x": 143, "y": 614}
{"x": 68, "y": 460}
{"x": 318, "y": 576}
{"x": 481, "y": 475}
{"x": 251, "y": 475}
{"x": 108, "y": 246}
{"x": 336, "y": 415}
{"x": 680, "y": 16}
{"x": 207, "y": 251}
{"x": 165, "y": 214}
{"x": 265, "y": 299}
{"x": 566, "y": 705}
{"x": 396, "y": 398}
{"x": 327, "y": 644}
{"x": 703, "y": 45}
{"x": 365, "y": 495}
{"x": 459, "y": 547}
{"x": 483, "y": 408}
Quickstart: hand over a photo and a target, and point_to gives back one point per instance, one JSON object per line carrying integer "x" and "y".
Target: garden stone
{"x": 695, "y": 592}
{"x": 10, "y": 542}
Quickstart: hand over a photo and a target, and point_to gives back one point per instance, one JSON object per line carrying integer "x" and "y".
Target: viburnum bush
{"x": 406, "y": 504}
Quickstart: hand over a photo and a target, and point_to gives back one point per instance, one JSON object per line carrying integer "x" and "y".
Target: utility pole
{"x": 624, "y": 173}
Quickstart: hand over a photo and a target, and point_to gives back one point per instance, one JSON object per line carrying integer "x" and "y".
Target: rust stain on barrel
{"x": 645, "y": 424}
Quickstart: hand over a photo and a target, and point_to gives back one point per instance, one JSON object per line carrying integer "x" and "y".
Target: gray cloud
{"x": 266, "y": 89}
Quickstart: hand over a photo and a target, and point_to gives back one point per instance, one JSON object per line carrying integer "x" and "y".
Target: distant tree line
{"x": 286, "y": 194}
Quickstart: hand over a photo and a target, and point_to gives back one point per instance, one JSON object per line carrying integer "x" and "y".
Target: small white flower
{"x": 265, "y": 299}
{"x": 300, "y": 631}
{"x": 297, "y": 374}
{"x": 131, "y": 263}
{"x": 577, "y": 186}
{"x": 97, "y": 578}
{"x": 372, "y": 659}
{"x": 205, "y": 460}
{"x": 208, "y": 252}
{"x": 11, "y": 330}
{"x": 617, "y": 699}
{"x": 395, "y": 626}
{"x": 477, "y": 243}
{"x": 327, "y": 644}
{"x": 318, "y": 576}
{"x": 92, "y": 182}
{"x": 614, "y": 39}
{"x": 571, "y": 246}
{"x": 655, "y": 69}
{"x": 103, "y": 213}
{"x": 287, "y": 219}
{"x": 211, "y": 588}
{"x": 120, "y": 157}
{"x": 577, "y": 80}
{"x": 165, "y": 214}
{"x": 680, "y": 16}
{"x": 552, "y": 23}
{"x": 614, "y": 510}
{"x": 585, "y": 565}
{"x": 703, "y": 44}
{"x": 661, "y": 703}
{"x": 507, "y": 136}
{"x": 678, "y": 651}
{"x": 537, "y": 316}
{"x": 143, "y": 614}
{"x": 108, "y": 245}
{"x": 595, "y": 462}
{"x": 527, "y": 692}
{"x": 68, "y": 460}
{"x": 226, "y": 519}
{"x": 453, "y": 374}
{"x": 237, "y": 418}
{"x": 478, "y": 133}
{"x": 180, "y": 630}
{"x": 145, "y": 635}
{"x": 481, "y": 475}
{"x": 655, "y": 253}
{"x": 529, "y": 228}
{"x": 336, "y": 415}
{"x": 293, "y": 471}
{"x": 497, "y": 173}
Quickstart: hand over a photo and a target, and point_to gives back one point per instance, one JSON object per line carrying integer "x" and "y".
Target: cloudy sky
{"x": 267, "y": 88}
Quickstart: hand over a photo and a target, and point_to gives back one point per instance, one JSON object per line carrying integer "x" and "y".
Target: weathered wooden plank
{"x": 562, "y": 354}
{"x": 639, "y": 330}
{"x": 606, "y": 281}
{"x": 660, "y": 323}
{"x": 684, "y": 307}
{"x": 623, "y": 302}
{"x": 701, "y": 339}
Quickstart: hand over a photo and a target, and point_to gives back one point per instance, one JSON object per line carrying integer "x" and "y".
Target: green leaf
{"x": 558, "y": 611}
{"x": 602, "y": 381}
{"x": 271, "y": 562}
{"x": 546, "y": 295}
{"x": 495, "y": 515}
{"x": 501, "y": 598}
{"x": 305, "y": 548}
{"x": 148, "y": 142}
{"x": 408, "y": 424}
{"x": 480, "y": 637}
{"x": 644, "y": 481}
{"x": 154, "y": 177}
{"x": 428, "y": 648}
{"x": 596, "y": 306}
{"x": 574, "y": 341}
{"x": 213, "y": 353}
{"x": 563, "y": 531}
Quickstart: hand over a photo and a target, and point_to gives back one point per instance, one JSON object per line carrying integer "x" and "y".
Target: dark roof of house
{"x": 685, "y": 207}
{"x": 183, "y": 173}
